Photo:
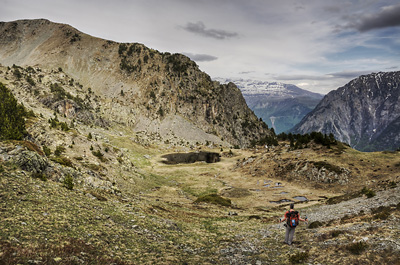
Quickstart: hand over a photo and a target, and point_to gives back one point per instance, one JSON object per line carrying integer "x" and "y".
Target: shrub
{"x": 68, "y": 182}
{"x": 299, "y": 257}
{"x": 62, "y": 160}
{"x": 214, "y": 199}
{"x": 99, "y": 155}
{"x": 46, "y": 150}
{"x": 357, "y": 248}
{"x": 39, "y": 175}
{"x": 381, "y": 212}
{"x": 59, "y": 150}
{"x": 30, "y": 80}
{"x": 89, "y": 136}
{"x": 368, "y": 192}
{"x": 17, "y": 73}
{"x": 336, "y": 233}
{"x": 315, "y": 224}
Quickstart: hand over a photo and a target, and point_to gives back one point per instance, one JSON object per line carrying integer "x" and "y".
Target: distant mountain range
{"x": 364, "y": 113}
{"x": 279, "y": 105}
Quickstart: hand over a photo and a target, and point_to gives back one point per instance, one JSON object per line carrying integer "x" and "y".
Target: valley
{"x": 86, "y": 180}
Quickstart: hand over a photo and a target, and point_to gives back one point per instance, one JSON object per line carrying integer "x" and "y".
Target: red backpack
{"x": 292, "y": 218}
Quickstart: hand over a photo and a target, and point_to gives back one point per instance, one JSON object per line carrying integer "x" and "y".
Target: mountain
{"x": 365, "y": 113}
{"x": 164, "y": 96}
{"x": 280, "y": 106}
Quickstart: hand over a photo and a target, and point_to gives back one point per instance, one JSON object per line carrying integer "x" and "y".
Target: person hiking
{"x": 292, "y": 219}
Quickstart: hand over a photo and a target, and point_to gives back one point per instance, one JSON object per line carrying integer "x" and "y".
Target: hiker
{"x": 292, "y": 218}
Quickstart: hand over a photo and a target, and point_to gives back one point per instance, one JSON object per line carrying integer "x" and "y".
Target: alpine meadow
{"x": 117, "y": 153}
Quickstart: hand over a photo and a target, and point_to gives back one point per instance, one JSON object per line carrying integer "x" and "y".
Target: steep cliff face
{"x": 157, "y": 93}
{"x": 365, "y": 113}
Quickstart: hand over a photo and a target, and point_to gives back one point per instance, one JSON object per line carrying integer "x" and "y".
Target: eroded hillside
{"x": 157, "y": 93}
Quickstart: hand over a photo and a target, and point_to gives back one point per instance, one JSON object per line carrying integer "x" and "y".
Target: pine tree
{"x": 12, "y": 122}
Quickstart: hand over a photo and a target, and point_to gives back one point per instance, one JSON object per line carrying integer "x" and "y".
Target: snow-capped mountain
{"x": 279, "y": 105}
{"x": 276, "y": 89}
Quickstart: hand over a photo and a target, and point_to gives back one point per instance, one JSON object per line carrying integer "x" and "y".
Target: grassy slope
{"x": 158, "y": 222}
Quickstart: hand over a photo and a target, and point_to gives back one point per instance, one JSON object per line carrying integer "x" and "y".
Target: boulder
{"x": 31, "y": 161}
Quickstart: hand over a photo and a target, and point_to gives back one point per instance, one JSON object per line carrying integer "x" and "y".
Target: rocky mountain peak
{"x": 157, "y": 93}
{"x": 364, "y": 113}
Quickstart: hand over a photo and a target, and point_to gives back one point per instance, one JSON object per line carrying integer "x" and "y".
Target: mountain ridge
{"x": 160, "y": 89}
{"x": 364, "y": 113}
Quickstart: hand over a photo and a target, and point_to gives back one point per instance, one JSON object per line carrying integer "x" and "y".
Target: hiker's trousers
{"x": 289, "y": 234}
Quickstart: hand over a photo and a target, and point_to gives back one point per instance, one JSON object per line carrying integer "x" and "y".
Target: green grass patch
{"x": 214, "y": 199}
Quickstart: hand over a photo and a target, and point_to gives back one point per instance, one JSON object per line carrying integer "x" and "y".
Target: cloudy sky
{"x": 318, "y": 45}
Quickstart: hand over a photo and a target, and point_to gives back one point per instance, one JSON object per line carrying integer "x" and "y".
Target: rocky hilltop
{"x": 281, "y": 106}
{"x": 364, "y": 113}
{"x": 161, "y": 95}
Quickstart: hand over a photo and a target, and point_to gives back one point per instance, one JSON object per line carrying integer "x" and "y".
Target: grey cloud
{"x": 388, "y": 17}
{"x": 299, "y": 77}
{"x": 349, "y": 74}
{"x": 246, "y": 72}
{"x": 343, "y": 74}
{"x": 201, "y": 57}
{"x": 332, "y": 9}
{"x": 200, "y": 29}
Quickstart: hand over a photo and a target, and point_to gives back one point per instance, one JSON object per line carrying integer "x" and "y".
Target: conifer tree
{"x": 12, "y": 122}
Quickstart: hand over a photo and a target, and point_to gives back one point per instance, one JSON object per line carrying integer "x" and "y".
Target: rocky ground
{"x": 80, "y": 189}
{"x": 46, "y": 221}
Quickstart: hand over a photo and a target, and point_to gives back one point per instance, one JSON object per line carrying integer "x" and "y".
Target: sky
{"x": 317, "y": 45}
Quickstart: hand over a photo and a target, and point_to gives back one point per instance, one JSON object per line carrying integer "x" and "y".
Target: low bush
{"x": 62, "y": 160}
{"x": 214, "y": 199}
{"x": 68, "y": 182}
{"x": 315, "y": 224}
{"x": 59, "y": 150}
{"x": 299, "y": 257}
{"x": 39, "y": 175}
{"x": 357, "y": 248}
{"x": 99, "y": 155}
{"x": 368, "y": 192}
{"x": 336, "y": 233}
{"x": 381, "y": 212}
{"x": 46, "y": 150}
